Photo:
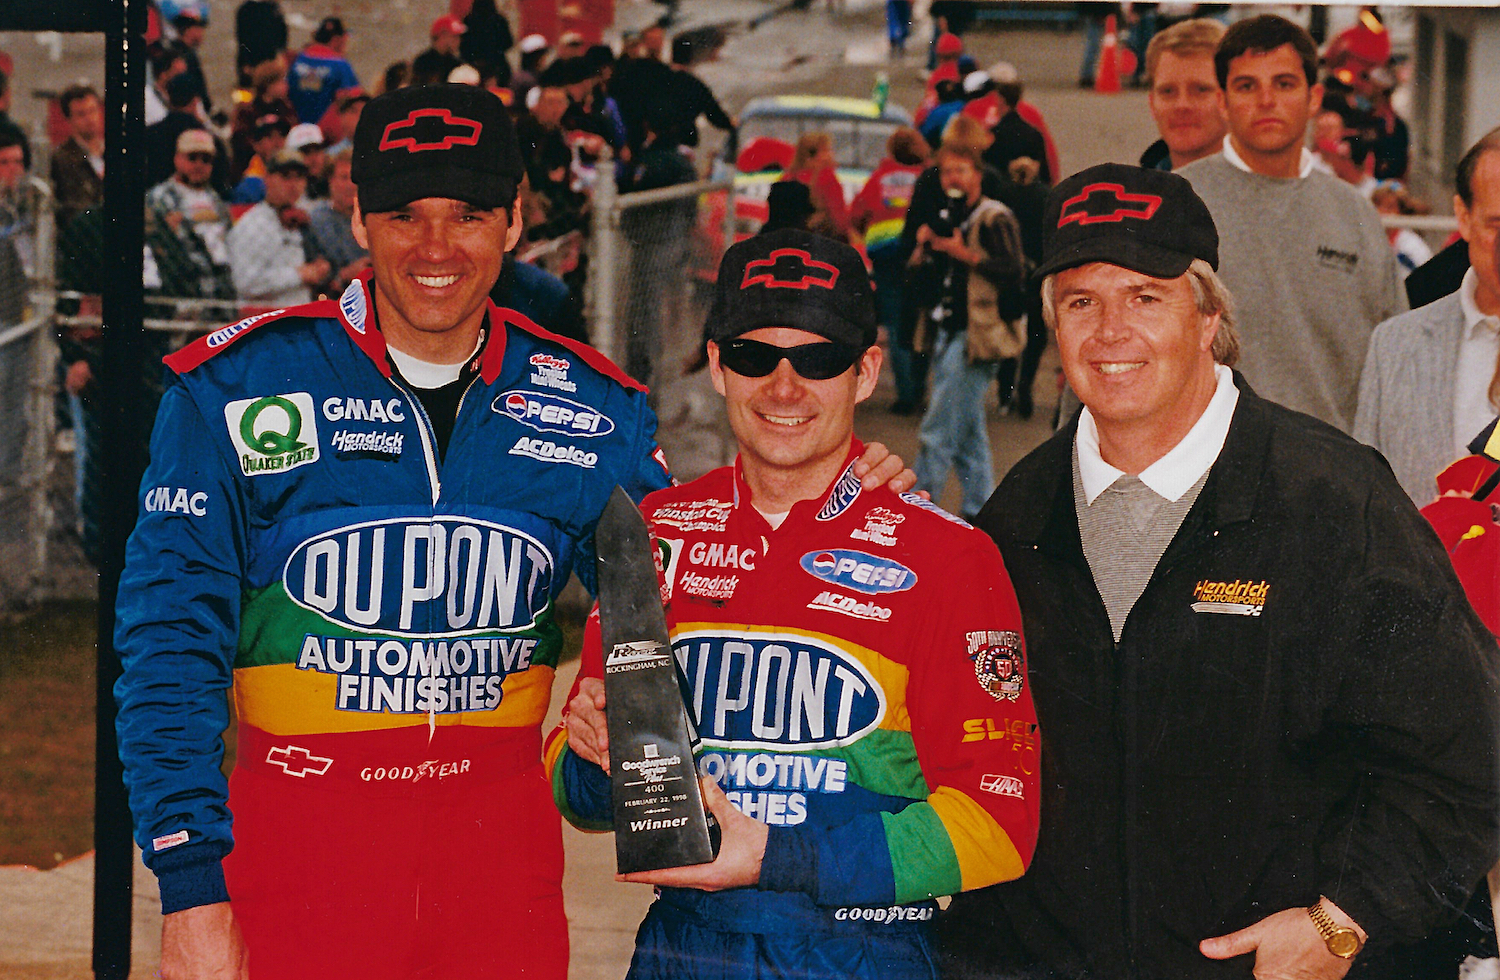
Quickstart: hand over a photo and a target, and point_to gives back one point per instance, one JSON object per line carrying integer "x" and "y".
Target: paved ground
{"x": 44, "y": 916}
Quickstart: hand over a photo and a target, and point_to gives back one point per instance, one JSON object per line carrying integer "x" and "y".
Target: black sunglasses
{"x": 815, "y": 362}
{"x": 200, "y": 157}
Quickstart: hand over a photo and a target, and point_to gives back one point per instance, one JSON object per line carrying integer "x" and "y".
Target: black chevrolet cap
{"x": 454, "y": 141}
{"x": 793, "y": 278}
{"x": 1150, "y": 221}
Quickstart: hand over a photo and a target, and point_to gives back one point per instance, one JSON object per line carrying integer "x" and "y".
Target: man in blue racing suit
{"x": 359, "y": 513}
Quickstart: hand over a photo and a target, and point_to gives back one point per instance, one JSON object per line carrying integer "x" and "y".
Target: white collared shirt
{"x": 1175, "y": 473}
{"x": 1309, "y": 162}
{"x": 1478, "y": 352}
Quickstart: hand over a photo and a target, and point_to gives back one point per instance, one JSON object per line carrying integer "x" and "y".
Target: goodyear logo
{"x": 769, "y": 690}
{"x": 859, "y": 571}
{"x": 437, "y": 576}
{"x": 553, "y": 413}
{"x": 1230, "y": 598}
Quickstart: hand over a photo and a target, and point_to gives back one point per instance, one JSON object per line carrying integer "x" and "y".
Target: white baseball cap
{"x": 304, "y": 135}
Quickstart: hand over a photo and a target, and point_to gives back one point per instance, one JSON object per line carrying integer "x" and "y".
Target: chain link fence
{"x": 655, "y": 257}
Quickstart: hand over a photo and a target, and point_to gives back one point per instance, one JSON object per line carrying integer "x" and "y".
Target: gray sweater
{"x": 1311, "y": 272}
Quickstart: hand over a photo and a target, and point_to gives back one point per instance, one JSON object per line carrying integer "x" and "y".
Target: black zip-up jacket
{"x": 1302, "y": 702}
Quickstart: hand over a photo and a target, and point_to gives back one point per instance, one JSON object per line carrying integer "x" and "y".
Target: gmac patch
{"x": 998, "y": 662}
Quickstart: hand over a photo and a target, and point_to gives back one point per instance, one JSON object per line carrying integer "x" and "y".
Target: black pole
{"x": 121, "y": 456}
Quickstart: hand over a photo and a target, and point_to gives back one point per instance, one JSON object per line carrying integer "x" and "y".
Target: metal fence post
{"x": 731, "y": 225}
{"x": 604, "y": 270}
{"x": 122, "y": 457}
{"x": 37, "y": 464}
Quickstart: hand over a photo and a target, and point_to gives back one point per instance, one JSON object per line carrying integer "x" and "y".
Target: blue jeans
{"x": 898, "y": 22}
{"x": 1093, "y": 38}
{"x": 953, "y": 433}
{"x": 889, "y": 270}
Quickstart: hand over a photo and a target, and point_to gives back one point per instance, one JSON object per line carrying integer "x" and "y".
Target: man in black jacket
{"x": 1271, "y": 714}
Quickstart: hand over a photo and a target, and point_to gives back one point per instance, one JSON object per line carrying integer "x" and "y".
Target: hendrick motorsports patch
{"x": 1235, "y": 598}
{"x": 273, "y": 434}
{"x": 997, "y": 662}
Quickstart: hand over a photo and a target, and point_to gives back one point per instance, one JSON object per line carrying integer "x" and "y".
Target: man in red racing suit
{"x": 853, "y": 662}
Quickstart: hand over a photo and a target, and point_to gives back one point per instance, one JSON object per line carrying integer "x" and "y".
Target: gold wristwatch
{"x": 1342, "y": 941}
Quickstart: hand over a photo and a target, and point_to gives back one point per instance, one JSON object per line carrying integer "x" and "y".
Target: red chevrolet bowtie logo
{"x": 1107, "y": 202}
{"x": 442, "y": 131}
{"x": 790, "y": 268}
{"x": 297, "y": 761}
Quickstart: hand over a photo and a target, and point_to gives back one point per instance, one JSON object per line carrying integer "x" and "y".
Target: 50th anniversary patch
{"x": 274, "y": 433}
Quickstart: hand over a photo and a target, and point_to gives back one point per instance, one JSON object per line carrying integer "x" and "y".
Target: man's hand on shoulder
{"x": 1287, "y": 946}
{"x": 878, "y": 467}
{"x": 741, "y": 849}
{"x": 588, "y": 731}
{"x": 203, "y": 943}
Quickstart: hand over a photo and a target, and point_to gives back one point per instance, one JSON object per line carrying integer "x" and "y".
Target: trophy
{"x": 659, "y": 814}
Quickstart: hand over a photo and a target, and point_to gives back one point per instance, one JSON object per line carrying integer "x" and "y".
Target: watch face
{"x": 1344, "y": 943}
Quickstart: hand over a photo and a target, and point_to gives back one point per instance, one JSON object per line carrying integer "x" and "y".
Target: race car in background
{"x": 762, "y": 148}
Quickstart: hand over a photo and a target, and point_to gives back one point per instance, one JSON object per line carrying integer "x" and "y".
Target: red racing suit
{"x": 857, "y": 676}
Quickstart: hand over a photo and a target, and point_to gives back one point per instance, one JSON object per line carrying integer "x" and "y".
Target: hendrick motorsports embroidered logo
{"x": 273, "y": 434}
{"x": 997, "y": 662}
{"x": 1230, "y": 598}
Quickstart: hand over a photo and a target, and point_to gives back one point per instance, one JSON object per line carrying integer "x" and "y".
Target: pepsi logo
{"x": 551, "y": 413}
{"x": 859, "y": 571}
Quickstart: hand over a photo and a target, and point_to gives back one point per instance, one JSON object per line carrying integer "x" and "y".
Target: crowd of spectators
{"x": 249, "y": 198}
{"x": 249, "y": 206}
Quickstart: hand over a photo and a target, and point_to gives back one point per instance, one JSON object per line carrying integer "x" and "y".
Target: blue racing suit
{"x": 384, "y": 616}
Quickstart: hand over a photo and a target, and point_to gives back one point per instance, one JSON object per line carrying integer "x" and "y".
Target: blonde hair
{"x": 1197, "y": 36}
{"x": 1209, "y": 292}
{"x": 966, "y": 131}
{"x": 808, "y": 146}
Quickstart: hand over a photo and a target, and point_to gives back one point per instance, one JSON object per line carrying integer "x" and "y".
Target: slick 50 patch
{"x": 1235, "y": 598}
{"x": 997, "y": 662}
{"x": 273, "y": 434}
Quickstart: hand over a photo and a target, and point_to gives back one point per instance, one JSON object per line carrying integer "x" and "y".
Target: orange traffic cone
{"x": 1107, "y": 77}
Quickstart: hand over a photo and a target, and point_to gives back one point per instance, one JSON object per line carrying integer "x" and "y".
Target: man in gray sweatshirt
{"x": 1302, "y": 251}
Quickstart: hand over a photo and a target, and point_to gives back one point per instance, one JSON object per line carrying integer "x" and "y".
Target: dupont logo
{"x": 844, "y": 494}
{"x": 224, "y": 335}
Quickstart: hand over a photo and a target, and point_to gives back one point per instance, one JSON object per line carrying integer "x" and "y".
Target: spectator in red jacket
{"x": 814, "y": 165}
{"x": 879, "y": 212}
